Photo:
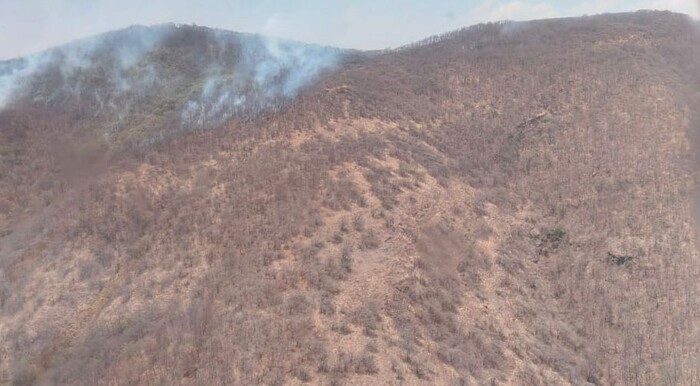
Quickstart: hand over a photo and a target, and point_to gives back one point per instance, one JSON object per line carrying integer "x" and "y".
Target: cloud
{"x": 34, "y": 25}
{"x": 514, "y": 10}
{"x": 689, "y": 7}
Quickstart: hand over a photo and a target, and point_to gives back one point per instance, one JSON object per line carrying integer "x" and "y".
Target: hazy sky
{"x": 31, "y": 25}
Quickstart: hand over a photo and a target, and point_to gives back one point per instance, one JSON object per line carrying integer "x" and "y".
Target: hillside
{"x": 508, "y": 204}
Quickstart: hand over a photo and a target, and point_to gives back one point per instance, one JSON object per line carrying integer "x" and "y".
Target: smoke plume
{"x": 169, "y": 77}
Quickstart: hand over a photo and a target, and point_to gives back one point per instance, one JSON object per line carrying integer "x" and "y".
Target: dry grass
{"x": 440, "y": 214}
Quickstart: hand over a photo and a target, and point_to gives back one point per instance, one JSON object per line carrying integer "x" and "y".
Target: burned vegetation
{"x": 449, "y": 212}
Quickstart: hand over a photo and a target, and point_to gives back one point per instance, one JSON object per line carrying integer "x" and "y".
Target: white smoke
{"x": 215, "y": 103}
{"x": 123, "y": 74}
{"x": 268, "y": 71}
{"x": 119, "y": 51}
{"x": 510, "y": 27}
{"x": 296, "y": 64}
{"x": 14, "y": 73}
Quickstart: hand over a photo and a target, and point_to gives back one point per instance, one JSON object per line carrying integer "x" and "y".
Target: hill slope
{"x": 508, "y": 204}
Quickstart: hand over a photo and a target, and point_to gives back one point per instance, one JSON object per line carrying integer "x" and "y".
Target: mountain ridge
{"x": 198, "y": 70}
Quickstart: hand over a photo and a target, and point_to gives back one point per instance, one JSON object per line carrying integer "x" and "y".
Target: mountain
{"x": 144, "y": 83}
{"x": 511, "y": 203}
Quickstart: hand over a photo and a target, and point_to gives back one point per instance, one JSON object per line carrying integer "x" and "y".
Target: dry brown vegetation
{"x": 506, "y": 204}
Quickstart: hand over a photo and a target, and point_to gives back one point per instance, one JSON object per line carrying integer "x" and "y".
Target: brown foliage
{"x": 484, "y": 178}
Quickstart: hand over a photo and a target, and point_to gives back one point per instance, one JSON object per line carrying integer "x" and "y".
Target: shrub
{"x": 303, "y": 375}
{"x": 551, "y": 238}
{"x": 370, "y": 240}
{"x": 366, "y": 364}
{"x": 619, "y": 259}
{"x": 358, "y": 222}
{"x": 337, "y": 238}
{"x": 367, "y": 316}
{"x": 298, "y": 304}
{"x": 326, "y": 306}
{"x": 371, "y": 347}
{"x": 344, "y": 225}
{"x": 555, "y": 234}
{"x": 346, "y": 259}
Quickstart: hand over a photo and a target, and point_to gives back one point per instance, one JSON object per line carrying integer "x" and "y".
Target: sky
{"x": 28, "y": 26}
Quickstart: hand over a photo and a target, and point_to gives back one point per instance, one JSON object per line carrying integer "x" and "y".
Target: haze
{"x": 32, "y": 25}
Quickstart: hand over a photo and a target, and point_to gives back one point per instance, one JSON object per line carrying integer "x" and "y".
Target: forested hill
{"x": 507, "y": 204}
